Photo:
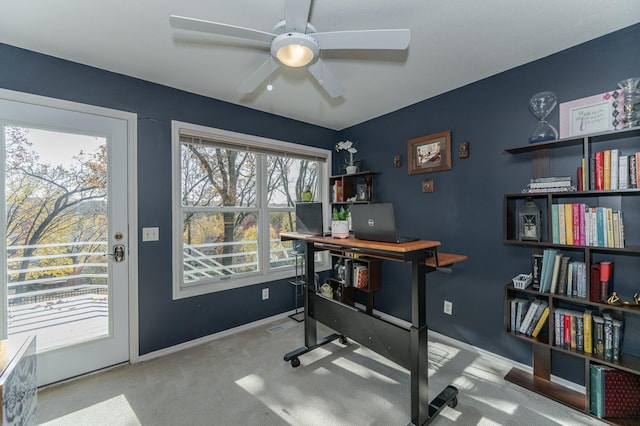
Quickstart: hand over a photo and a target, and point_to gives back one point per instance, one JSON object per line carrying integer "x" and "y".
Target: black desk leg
{"x": 310, "y": 331}
{"x": 423, "y": 412}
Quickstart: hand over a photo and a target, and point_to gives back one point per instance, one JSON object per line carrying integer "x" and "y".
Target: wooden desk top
{"x": 365, "y": 244}
{"x": 444, "y": 259}
{"x": 393, "y": 251}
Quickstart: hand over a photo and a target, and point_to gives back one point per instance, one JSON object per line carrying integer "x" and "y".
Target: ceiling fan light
{"x": 295, "y": 49}
{"x": 294, "y": 55}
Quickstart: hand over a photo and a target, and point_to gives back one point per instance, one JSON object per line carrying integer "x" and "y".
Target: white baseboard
{"x": 211, "y": 337}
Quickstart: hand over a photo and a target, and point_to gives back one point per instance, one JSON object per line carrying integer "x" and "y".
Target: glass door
{"x": 66, "y": 248}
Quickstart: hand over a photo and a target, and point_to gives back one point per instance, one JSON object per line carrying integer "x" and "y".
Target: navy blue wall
{"x": 464, "y": 212}
{"x": 164, "y": 322}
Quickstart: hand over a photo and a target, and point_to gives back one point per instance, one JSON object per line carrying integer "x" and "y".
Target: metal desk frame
{"x": 407, "y": 348}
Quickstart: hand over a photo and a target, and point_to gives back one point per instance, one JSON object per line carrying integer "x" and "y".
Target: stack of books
{"x": 549, "y": 184}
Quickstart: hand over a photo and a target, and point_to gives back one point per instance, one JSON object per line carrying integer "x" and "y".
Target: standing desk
{"x": 406, "y": 347}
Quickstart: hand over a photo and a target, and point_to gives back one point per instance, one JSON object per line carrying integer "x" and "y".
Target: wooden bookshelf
{"x": 544, "y": 158}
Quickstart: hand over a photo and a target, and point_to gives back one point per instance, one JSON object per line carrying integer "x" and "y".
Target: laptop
{"x": 376, "y": 222}
{"x": 309, "y": 218}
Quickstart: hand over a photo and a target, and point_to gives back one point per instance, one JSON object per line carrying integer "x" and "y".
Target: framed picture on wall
{"x": 429, "y": 153}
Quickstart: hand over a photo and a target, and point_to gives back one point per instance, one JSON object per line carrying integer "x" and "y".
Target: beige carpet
{"x": 242, "y": 380}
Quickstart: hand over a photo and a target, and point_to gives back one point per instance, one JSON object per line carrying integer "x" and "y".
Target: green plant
{"x": 342, "y": 214}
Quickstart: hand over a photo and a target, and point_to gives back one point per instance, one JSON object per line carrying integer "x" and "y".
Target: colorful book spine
{"x": 588, "y": 331}
{"x": 599, "y": 164}
{"x": 555, "y": 228}
{"x": 623, "y": 172}
{"x": 568, "y": 223}
{"x": 606, "y": 169}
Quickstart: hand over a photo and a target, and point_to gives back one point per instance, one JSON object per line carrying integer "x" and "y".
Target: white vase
{"x": 340, "y": 228}
{"x": 352, "y": 169}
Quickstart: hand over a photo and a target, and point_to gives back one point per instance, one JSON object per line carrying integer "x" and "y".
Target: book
{"x": 598, "y": 170}
{"x": 594, "y": 285}
{"x": 360, "y": 275}
{"x": 614, "y": 168}
{"x": 566, "y": 330}
{"x": 522, "y": 306}
{"x": 579, "y": 331}
{"x": 551, "y": 179}
{"x": 608, "y": 336}
{"x": 548, "y": 258}
{"x": 550, "y": 184}
{"x": 575, "y": 210}
{"x": 606, "y": 169}
{"x": 596, "y": 386}
{"x": 561, "y": 228}
{"x": 514, "y": 314}
{"x": 541, "y": 322}
{"x": 617, "y": 339}
{"x": 536, "y": 270}
{"x": 598, "y": 336}
{"x": 633, "y": 171}
{"x": 555, "y": 229}
{"x": 568, "y": 223}
{"x": 587, "y": 320}
{"x": 536, "y": 317}
{"x": 621, "y": 393}
{"x": 533, "y": 307}
{"x": 562, "y": 275}
{"x": 623, "y": 172}
{"x": 555, "y": 273}
{"x": 606, "y": 280}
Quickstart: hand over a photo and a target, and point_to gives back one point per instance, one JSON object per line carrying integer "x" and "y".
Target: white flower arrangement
{"x": 347, "y": 146}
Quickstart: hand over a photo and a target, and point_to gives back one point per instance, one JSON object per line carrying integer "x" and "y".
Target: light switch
{"x": 150, "y": 234}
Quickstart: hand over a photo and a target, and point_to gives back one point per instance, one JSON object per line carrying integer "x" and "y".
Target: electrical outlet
{"x": 151, "y": 234}
{"x": 265, "y": 293}
{"x": 448, "y": 307}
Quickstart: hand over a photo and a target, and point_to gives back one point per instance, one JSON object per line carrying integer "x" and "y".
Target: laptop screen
{"x": 309, "y": 218}
{"x": 375, "y": 222}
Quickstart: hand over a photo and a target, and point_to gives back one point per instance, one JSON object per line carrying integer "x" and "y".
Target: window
{"x": 232, "y": 195}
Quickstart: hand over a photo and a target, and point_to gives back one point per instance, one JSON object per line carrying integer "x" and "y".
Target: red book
{"x": 637, "y": 168}
{"x": 567, "y": 332}
{"x": 621, "y": 394}
{"x": 599, "y": 166}
{"x": 579, "y": 178}
{"x": 606, "y": 280}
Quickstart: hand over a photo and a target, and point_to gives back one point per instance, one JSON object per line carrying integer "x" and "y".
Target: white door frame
{"x": 132, "y": 191}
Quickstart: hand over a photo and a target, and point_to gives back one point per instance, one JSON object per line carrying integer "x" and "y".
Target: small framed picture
{"x": 430, "y": 153}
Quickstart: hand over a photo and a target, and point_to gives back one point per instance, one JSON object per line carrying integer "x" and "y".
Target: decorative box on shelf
{"x": 522, "y": 281}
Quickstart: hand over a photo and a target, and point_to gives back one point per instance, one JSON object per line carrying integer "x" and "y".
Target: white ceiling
{"x": 453, "y": 43}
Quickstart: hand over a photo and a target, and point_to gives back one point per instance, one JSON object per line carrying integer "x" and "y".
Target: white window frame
{"x": 243, "y": 141}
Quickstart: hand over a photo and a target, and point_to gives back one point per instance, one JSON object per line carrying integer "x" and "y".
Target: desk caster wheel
{"x": 344, "y": 340}
{"x": 295, "y": 362}
{"x": 453, "y": 403}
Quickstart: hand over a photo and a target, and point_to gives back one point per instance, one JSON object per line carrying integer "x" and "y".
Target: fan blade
{"x": 296, "y": 15}
{"x": 259, "y": 76}
{"x": 325, "y": 77}
{"x": 192, "y": 24}
{"x": 364, "y": 39}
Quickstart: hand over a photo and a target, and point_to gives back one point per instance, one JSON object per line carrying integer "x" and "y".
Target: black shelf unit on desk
{"x": 349, "y": 188}
{"x": 625, "y": 200}
{"x": 344, "y": 289}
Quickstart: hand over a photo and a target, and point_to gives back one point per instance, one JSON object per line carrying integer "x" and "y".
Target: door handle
{"x": 118, "y": 253}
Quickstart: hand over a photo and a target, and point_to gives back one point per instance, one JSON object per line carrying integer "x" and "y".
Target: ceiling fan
{"x": 295, "y": 43}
